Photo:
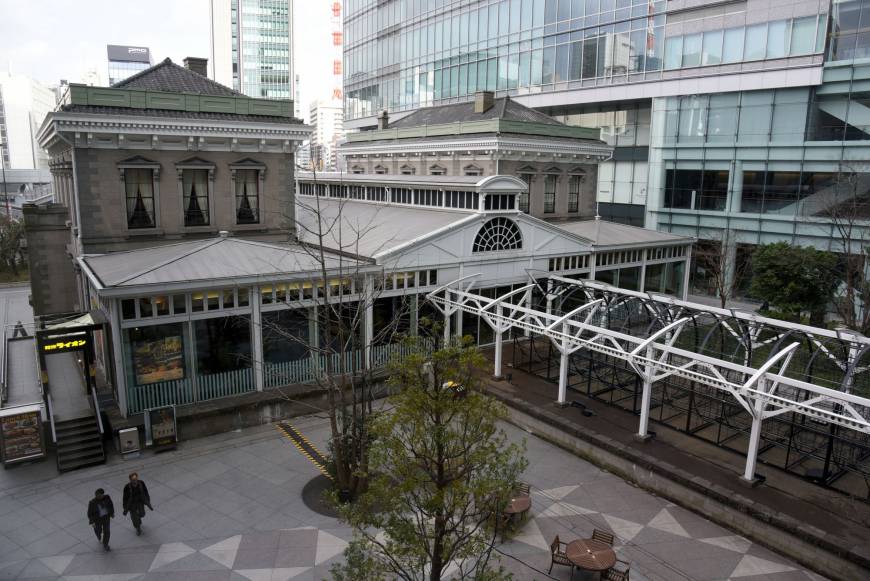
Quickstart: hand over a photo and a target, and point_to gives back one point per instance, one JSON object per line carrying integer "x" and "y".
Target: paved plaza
{"x": 229, "y": 507}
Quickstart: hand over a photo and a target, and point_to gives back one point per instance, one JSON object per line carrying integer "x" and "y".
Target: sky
{"x": 51, "y": 40}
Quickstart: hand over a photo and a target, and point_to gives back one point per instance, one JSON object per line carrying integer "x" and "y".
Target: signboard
{"x": 63, "y": 344}
{"x": 21, "y": 435}
{"x": 136, "y": 54}
{"x": 156, "y": 360}
{"x": 160, "y": 427}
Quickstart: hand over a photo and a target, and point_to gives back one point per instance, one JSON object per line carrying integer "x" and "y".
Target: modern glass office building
{"x": 751, "y": 116}
{"x": 126, "y": 61}
{"x": 252, "y": 45}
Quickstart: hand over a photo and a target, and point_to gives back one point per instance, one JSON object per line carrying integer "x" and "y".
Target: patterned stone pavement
{"x": 229, "y": 508}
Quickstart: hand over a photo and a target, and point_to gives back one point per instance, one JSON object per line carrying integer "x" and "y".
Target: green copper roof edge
{"x": 178, "y": 101}
{"x": 472, "y": 127}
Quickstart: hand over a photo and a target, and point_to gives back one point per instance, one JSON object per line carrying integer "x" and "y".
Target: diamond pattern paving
{"x": 229, "y": 508}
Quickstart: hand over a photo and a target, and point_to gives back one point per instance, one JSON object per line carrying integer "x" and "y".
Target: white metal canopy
{"x": 764, "y": 391}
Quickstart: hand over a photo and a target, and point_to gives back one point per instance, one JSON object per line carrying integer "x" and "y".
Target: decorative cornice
{"x": 488, "y": 146}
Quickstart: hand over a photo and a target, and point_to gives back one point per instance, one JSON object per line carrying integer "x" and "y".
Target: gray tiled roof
{"x": 504, "y": 108}
{"x": 100, "y": 110}
{"x": 366, "y": 229}
{"x": 168, "y": 76}
{"x": 604, "y": 233}
{"x": 204, "y": 261}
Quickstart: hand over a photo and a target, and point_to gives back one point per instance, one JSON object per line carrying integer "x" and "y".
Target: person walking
{"x": 100, "y": 512}
{"x": 136, "y": 498}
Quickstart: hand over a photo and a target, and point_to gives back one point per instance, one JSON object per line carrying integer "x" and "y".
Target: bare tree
{"x": 343, "y": 293}
{"x": 721, "y": 273}
{"x": 846, "y": 203}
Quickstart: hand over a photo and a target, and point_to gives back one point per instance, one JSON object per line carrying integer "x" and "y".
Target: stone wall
{"x": 54, "y": 287}
{"x": 103, "y": 204}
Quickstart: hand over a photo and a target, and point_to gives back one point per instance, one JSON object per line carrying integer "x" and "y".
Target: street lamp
{"x": 3, "y": 169}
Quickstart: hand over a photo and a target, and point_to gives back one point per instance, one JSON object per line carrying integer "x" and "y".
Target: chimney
{"x": 383, "y": 119}
{"x": 483, "y": 101}
{"x": 197, "y": 65}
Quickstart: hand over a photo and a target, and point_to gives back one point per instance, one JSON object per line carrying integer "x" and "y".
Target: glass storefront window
{"x": 179, "y": 304}
{"x": 145, "y": 309}
{"x": 222, "y": 344}
{"x": 654, "y": 278}
{"x": 285, "y": 335}
{"x": 629, "y": 278}
{"x": 155, "y": 353}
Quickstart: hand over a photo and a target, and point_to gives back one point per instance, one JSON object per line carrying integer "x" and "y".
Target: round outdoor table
{"x": 518, "y": 504}
{"x": 591, "y": 555}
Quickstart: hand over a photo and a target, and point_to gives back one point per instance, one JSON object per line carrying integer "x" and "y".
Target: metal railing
{"x": 51, "y": 417}
{"x": 97, "y": 410}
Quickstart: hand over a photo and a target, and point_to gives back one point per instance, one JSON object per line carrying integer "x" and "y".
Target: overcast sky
{"x": 51, "y": 40}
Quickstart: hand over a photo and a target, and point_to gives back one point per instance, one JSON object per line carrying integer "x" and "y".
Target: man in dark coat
{"x": 100, "y": 512}
{"x": 136, "y": 498}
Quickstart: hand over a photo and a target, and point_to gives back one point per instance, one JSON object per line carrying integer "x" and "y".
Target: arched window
{"x": 498, "y": 234}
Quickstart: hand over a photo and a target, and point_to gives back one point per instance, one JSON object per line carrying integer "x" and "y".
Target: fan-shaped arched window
{"x": 498, "y": 234}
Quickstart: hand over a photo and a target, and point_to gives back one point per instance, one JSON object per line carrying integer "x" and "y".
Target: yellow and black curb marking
{"x": 305, "y": 446}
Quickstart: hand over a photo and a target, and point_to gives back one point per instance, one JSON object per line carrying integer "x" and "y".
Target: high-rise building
{"x": 327, "y": 129}
{"x": 252, "y": 46}
{"x": 741, "y": 123}
{"x": 24, "y": 103}
{"x": 125, "y": 61}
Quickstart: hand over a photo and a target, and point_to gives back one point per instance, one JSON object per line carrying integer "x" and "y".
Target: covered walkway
{"x": 765, "y": 384}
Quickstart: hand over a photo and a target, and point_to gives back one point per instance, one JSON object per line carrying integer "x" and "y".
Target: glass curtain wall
{"x": 413, "y": 53}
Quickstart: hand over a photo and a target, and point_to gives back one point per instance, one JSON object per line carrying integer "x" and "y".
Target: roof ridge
{"x": 152, "y": 268}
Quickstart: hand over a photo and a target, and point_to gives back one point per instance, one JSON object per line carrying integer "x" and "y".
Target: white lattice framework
{"x": 764, "y": 392}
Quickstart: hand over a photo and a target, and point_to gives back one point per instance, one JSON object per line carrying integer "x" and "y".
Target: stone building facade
{"x": 164, "y": 156}
{"x": 489, "y": 137}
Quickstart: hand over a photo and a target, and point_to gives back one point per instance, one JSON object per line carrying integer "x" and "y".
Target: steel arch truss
{"x": 745, "y": 356}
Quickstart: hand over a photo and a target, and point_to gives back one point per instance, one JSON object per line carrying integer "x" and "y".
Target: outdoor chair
{"x": 559, "y": 555}
{"x": 602, "y": 536}
{"x": 618, "y": 572}
{"x": 523, "y": 488}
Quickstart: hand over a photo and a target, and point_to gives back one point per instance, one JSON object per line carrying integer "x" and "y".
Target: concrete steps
{"x": 79, "y": 443}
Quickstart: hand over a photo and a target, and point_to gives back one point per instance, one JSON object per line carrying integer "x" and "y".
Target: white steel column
{"x": 646, "y": 396}
{"x": 754, "y": 437}
{"x": 563, "y": 368}
{"x": 498, "y": 346}
{"x": 686, "y": 273}
{"x": 257, "y": 334}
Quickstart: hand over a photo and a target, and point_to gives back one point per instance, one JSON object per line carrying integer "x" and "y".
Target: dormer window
{"x": 437, "y": 170}
{"x": 356, "y": 170}
{"x": 472, "y": 170}
{"x": 407, "y": 170}
{"x": 380, "y": 170}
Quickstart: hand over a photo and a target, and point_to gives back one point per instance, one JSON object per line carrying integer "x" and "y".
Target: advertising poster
{"x": 21, "y": 436}
{"x": 160, "y": 428}
{"x": 158, "y": 360}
